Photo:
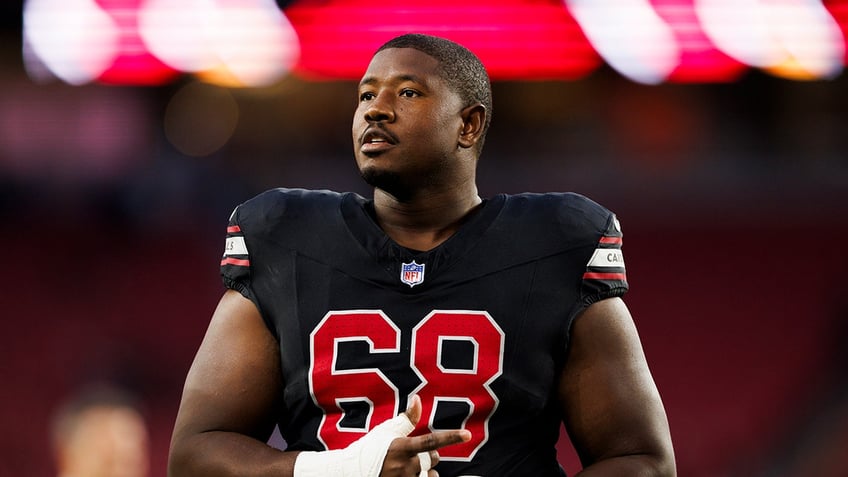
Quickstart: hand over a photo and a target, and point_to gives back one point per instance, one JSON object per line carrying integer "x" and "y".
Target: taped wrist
{"x": 363, "y": 458}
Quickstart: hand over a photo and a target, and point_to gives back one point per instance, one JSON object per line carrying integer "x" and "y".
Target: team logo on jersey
{"x": 412, "y": 273}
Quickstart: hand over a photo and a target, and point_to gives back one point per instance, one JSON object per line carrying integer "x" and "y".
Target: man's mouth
{"x": 376, "y": 140}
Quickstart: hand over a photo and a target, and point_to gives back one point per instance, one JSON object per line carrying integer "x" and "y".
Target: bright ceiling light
{"x": 809, "y": 36}
{"x": 175, "y": 32}
{"x": 794, "y": 38}
{"x": 252, "y": 40}
{"x": 630, "y": 36}
{"x": 75, "y": 39}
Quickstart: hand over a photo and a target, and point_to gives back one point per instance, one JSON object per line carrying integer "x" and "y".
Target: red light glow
{"x": 253, "y": 43}
{"x": 515, "y": 40}
{"x": 700, "y": 60}
{"x": 839, "y": 10}
{"x": 133, "y": 63}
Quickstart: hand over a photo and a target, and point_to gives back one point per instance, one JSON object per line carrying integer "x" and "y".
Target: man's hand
{"x": 385, "y": 451}
{"x": 410, "y": 455}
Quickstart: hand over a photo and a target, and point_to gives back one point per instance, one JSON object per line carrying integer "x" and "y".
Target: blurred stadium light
{"x": 232, "y": 42}
{"x": 630, "y": 35}
{"x": 516, "y": 40}
{"x": 257, "y": 42}
{"x": 792, "y": 38}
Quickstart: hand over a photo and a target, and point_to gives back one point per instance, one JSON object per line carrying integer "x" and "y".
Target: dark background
{"x": 733, "y": 199}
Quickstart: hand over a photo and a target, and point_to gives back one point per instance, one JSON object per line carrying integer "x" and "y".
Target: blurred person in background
{"x": 490, "y": 322}
{"x": 100, "y": 432}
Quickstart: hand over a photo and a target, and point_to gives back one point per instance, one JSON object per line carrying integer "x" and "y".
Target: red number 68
{"x": 332, "y": 387}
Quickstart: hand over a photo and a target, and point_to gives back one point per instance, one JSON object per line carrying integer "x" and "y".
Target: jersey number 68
{"x": 332, "y": 386}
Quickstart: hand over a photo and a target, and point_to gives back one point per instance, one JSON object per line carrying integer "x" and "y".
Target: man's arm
{"x": 228, "y": 404}
{"x": 611, "y": 406}
{"x": 227, "y": 410}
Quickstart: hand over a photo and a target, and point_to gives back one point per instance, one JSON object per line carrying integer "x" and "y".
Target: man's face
{"x": 407, "y": 125}
{"x": 107, "y": 442}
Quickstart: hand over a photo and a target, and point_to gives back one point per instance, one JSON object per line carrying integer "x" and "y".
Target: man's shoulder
{"x": 282, "y": 202}
{"x": 553, "y": 199}
{"x": 568, "y": 210}
{"x": 295, "y": 198}
{"x": 293, "y": 209}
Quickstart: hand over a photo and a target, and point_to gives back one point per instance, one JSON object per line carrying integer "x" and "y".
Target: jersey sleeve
{"x": 235, "y": 263}
{"x": 605, "y": 275}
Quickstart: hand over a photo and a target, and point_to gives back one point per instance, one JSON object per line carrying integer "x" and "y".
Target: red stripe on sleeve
{"x": 235, "y": 261}
{"x": 610, "y": 240}
{"x": 232, "y": 229}
{"x": 605, "y": 276}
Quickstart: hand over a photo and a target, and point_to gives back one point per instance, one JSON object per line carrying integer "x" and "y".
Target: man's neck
{"x": 426, "y": 221}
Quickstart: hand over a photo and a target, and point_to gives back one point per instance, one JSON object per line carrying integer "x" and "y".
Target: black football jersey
{"x": 477, "y": 327}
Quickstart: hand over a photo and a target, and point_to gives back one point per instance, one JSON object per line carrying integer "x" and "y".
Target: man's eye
{"x": 366, "y": 96}
{"x": 409, "y": 93}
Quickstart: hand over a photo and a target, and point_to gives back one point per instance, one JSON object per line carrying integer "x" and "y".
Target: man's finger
{"x": 436, "y": 440}
{"x": 413, "y": 409}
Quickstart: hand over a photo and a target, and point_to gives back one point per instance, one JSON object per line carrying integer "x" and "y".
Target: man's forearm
{"x": 637, "y": 465}
{"x": 227, "y": 454}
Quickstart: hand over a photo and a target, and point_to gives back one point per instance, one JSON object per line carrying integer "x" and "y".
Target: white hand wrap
{"x": 363, "y": 458}
{"x": 426, "y": 463}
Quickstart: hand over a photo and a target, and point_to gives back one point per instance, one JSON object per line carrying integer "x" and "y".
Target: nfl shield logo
{"x": 412, "y": 273}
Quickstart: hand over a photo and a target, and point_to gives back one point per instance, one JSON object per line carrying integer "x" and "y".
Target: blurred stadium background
{"x": 717, "y": 130}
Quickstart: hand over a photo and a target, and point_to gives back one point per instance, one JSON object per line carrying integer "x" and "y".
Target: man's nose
{"x": 380, "y": 109}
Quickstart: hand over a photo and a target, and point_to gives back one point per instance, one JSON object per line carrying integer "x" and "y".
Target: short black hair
{"x": 461, "y": 68}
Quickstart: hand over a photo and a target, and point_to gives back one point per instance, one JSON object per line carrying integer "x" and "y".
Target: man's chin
{"x": 379, "y": 178}
{"x": 388, "y": 181}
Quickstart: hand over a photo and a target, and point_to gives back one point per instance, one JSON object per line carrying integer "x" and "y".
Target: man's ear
{"x": 473, "y": 120}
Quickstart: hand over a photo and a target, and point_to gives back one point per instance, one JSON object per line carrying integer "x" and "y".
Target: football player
{"x": 424, "y": 331}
